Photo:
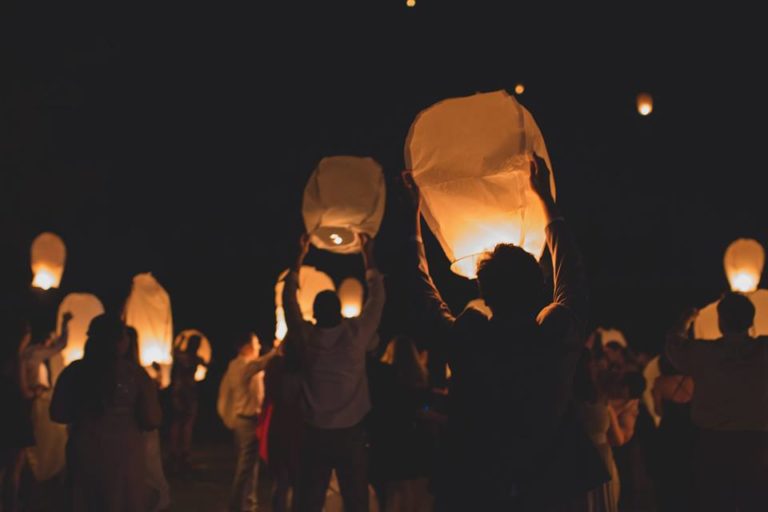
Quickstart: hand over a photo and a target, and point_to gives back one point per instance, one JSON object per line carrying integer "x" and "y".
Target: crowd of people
{"x": 536, "y": 415}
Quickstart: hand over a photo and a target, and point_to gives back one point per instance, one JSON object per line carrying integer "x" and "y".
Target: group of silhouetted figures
{"x": 536, "y": 415}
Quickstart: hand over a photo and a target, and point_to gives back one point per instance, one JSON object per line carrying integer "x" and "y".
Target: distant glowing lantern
{"x": 471, "y": 159}
{"x": 481, "y": 306}
{"x": 84, "y": 308}
{"x": 410, "y": 3}
{"x": 343, "y": 198}
{"x": 148, "y": 310}
{"x": 48, "y": 256}
{"x": 519, "y": 89}
{"x": 743, "y": 261}
{"x": 351, "y": 297}
{"x": 644, "y": 103}
{"x": 204, "y": 352}
{"x": 311, "y": 282}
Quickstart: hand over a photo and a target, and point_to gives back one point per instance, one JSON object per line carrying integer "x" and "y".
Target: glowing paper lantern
{"x": 48, "y": 256}
{"x": 204, "y": 352}
{"x": 344, "y": 197}
{"x": 644, "y": 104}
{"x": 707, "y": 325}
{"x": 311, "y": 282}
{"x": 519, "y": 89}
{"x": 84, "y": 308}
{"x": 743, "y": 261}
{"x": 410, "y": 3}
{"x": 351, "y": 296}
{"x": 148, "y": 310}
{"x": 471, "y": 159}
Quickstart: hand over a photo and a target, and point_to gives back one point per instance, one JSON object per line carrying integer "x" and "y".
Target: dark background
{"x": 177, "y": 139}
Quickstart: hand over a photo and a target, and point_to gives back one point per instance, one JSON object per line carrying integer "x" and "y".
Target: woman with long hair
{"x": 108, "y": 401}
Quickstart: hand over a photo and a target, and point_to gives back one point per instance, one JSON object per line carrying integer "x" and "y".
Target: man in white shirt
{"x": 332, "y": 356}
{"x": 730, "y": 406}
{"x": 241, "y": 394}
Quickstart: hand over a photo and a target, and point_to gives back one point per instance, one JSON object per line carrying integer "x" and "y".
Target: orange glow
{"x": 410, "y": 3}
{"x": 203, "y": 352}
{"x": 644, "y": 104}
{"x": 743, "y": 262}
{"x": 311, "y": 282}
{"x": 48, "y": 255}
{"x": 519, "y": 89}
{"x": 351, "y": 297}
{"x": 84, "y": 308}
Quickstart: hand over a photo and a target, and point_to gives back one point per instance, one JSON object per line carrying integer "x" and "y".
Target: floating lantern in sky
{"x": 204, "y": 352}
{"x": 744, "y": 260}
{"x": 148, "y": 310}
{"x": 410, "y": 3}
{"x": 84, "y": 308}
{"x": 351, "y": 297}
{"x": 519, "y": 89}
{"x": 344, "y": 197}
{"x": 311, "y": 282}
{"x": 471, "y": 159}
{"x": 644, "y": 103}
{"x": 48, "y": 256}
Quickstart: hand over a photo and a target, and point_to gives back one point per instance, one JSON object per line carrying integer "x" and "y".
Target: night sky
{"x": 178, "y": 139}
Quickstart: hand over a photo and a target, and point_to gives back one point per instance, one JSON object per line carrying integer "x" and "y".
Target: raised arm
{"x": 258, "y": 365}
{"x": 570, "y": 283}
{"x": 436, "y": 315}
{"x": 370, "y": 316}
{"x": 680, "y": 349}
{"x": 46, "y": 351}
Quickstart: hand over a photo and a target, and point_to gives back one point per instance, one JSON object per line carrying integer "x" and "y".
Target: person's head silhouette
{"x": 511, "y": 281}
{"x": 736, "y": 314}
{"x": 327, "y": 308}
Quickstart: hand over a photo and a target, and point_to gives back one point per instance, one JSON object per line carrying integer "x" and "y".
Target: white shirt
{"x": 241, "y": 392}
{"x": 334, "y": 379}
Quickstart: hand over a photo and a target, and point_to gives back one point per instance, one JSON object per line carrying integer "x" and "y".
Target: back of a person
{"x": 334, "y": 378}
{"x": 731, "y": 390}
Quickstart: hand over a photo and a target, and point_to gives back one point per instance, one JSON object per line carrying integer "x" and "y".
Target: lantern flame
{"x": 410, "y": 3}
{"x": 44, "y": 279}
{"x": 350, "y": 311}
{"x": 744, "y": 282}
{"x": 153, "y": 351}
{"x": 336, "y": 239}
{"x": 200, "y": 373}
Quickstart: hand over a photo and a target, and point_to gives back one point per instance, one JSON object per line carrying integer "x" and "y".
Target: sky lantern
{"x": 470, "y": 157}
{"x": 48, "y": 256}
{"x": 203, "y": 352}
{"x": 351, "y": 296}
{"x": 743, "y": 261}
{"x": 311, "y": 282}
{"x": 148, "y": 310}
{"x": 344, "y": 197}
{"x": 644, "y": 104}
{"x": 519, "y": 89}
{"x": 410, "y": 3}
{"x": 84, "y": 308}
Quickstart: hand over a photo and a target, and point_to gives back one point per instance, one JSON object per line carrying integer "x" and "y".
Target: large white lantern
{"x": 84, "y": 308}
{"x": 148, "y": 310}
{"x": 351, "y": 297}
{"x": 203, "y": 352}
{"x": 471, "y": 159}
{"x": 743, "y": 261}
{"x": 311, "y": 282}
{"x": 344, "y": 197}
{"x": 48, "y": 257}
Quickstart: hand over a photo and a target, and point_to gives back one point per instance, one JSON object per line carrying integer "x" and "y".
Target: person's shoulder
{"x": 556, "y": 319}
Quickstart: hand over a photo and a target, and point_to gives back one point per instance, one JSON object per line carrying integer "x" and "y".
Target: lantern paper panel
{"x": 311, "y": 282}
{"x": 84, "y": 308}
{"x": 707, "y": 327}
{"x": 743, "y": 261}
{"x": 344, "y": 197}
{"x": 351, "y": 297}
{"x": 48, "y": 256}
{"x": 148, "y": 310}
{"x": 203, "y": 352}
{"x": 470, "y": 158}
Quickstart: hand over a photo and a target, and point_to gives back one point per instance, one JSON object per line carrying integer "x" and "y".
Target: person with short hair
{"x": 729, "y": 406}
